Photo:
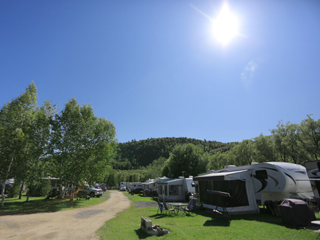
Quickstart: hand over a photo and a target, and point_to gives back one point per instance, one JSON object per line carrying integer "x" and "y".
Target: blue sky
{"x": 154, "y": 68}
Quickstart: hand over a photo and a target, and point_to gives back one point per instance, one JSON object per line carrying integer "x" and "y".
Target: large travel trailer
{"x": 242, "y": 189}
{"x": 176, "y": 189}
{"x": 124, "y": 184}
{"x": 134, "y": 185}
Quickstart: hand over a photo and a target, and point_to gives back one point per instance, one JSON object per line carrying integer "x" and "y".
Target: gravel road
{"x": 79, "y": 224}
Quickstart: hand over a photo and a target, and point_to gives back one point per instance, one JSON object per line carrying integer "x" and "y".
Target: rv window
{"x": 173, "y": 190}
{"x": 261, "y": 174}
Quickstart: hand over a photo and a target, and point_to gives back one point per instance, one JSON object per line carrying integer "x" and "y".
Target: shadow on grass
{"x": 263, "y": 216}
{"x": 217, "y": 223}
{"x": 141, "y": 234}
{"x": 37, "y": 206}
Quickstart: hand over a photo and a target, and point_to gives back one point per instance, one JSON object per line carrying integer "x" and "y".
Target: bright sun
{"x": 225, "y": 26}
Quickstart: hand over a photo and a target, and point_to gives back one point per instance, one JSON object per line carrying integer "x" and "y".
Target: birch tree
{"x": 15, "y": 120}
{"x": 83, "y": 144}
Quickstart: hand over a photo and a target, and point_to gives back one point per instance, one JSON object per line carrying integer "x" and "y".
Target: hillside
{"x": 131, "y": 155}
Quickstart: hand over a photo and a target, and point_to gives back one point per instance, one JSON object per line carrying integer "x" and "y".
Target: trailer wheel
{"x": 92, "y": 194}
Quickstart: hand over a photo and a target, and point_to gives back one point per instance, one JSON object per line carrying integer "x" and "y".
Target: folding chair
{"x": 191, "y": 206}
{"x": 166, "y": 207}
{"x": 160, "y": 206}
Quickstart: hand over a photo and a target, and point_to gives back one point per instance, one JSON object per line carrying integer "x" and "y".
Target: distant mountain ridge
{"x": 134, "y": 154}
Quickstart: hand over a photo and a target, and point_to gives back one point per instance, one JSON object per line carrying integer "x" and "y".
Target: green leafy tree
{"x": 187, "y": 160}
{"x": 310, "y": 137}
{"x": 83, "y": 144}
{"x": 16, "y": 118}
{"x": 264, "y": 146}
{"x": 243, "y": 153}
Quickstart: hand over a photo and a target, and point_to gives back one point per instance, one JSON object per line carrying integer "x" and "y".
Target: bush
{"x": 14, "y": 189}
{"x": 42, "y": 188}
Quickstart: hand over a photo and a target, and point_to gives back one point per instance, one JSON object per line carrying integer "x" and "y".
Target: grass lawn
{"x": 39, "y": 204}
{"x": 200, "y": 225}
{"x": 138, "y": 198}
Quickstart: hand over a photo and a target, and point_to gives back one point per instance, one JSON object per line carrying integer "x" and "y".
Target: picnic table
{"x": 178, "y": 206}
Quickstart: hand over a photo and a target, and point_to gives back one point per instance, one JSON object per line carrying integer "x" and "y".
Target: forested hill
{"x": 131, "y": 155}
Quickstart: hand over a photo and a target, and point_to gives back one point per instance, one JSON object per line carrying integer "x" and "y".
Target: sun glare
{"x": 225, "y": 26}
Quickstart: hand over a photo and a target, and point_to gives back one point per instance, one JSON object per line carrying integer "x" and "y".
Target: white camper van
{"x": 242, "y": 189}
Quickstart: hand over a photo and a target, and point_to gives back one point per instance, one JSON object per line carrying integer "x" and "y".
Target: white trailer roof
{"x": 222, "y": 176}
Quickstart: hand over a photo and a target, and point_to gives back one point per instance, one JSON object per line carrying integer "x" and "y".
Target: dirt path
{"x": 79, "y": 224}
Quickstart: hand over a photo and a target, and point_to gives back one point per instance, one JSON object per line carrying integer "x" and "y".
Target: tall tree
{"x": 187, "y": 160}
{"x": 83, "y": 143}
{"x": 243, "y": 153}
{"x": 310, "y": 137}
{"x": 38, "y": 144}
{"x": 16, "y": 118}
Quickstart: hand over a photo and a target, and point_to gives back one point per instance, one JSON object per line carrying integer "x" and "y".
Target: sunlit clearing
{"x": 225, "y": 26}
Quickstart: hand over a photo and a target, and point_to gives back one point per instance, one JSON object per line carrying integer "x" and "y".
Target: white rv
{"x": 134, "y": 185}
{"x": 124, "y": 184}
{"x": 155, "y": 183}
{"x": 176, "y": 189}
{"x": 242, "y": 189}
{"x": 148, "y": 184}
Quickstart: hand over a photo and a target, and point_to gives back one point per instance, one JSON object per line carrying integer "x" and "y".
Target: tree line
{"x": 295, "y": 143}
{"x": 37, "y": 141}
{"x": 136, "y": 154}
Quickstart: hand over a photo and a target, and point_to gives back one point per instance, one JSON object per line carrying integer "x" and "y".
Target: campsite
{"x": 198, "y": 225}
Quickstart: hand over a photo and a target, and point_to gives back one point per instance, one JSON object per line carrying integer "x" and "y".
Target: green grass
{"x": 201, "y": 226}
{"x": 39, "y": 204}
{"x": 138, "y": 198}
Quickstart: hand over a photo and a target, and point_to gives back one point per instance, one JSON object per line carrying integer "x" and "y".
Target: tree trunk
{"x": 7, "y": 174}
{"x": 2, "y": 192}
{"x": 21, "y": 189}
{"x": 72, "y": 194}
{"x": 31, "y": 182}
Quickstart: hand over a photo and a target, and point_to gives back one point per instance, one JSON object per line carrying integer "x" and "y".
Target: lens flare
{"x": 248, "y": 72}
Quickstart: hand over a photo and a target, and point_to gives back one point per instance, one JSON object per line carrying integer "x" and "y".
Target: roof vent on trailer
{"x": 230, "y": 166}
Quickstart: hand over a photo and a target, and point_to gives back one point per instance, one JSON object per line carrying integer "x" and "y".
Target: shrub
{"x": 14, "y": 189}
{"x": 42, "y": 188}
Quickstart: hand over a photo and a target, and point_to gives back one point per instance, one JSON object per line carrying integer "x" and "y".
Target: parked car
{"x": 136, "y": 191}
{"x": 123, "y": 188}
{"x": 92, "y": 191}
{"x": 103, "y": 186}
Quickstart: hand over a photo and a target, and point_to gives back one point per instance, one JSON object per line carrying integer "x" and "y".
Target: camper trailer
{"x": 242, "y": 189}
{"x": 155, "y": 183}
{"x": 176, "y": 189}
{"x": 134, "y": 185}
{"x": 148, "y": 184}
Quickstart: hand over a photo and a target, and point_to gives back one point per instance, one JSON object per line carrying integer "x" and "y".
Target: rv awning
{"x": 222, "y": 176}
{"x": 178, "y": 181}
